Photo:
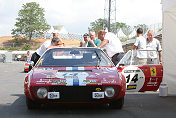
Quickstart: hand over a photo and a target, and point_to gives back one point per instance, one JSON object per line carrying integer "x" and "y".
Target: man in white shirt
{"x": 153, "y": 44}
{"x": 112, "y": 44}
{"x": 139, "y": 45}
{"x": 55, "y": 42}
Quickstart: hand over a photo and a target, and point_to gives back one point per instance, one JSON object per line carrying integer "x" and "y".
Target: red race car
{"x": 26, "y": 65}
{"x": 146, "y": 77}
{"x": 74, "y": 75}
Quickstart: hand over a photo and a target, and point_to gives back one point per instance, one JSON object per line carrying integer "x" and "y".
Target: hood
{"x": 75, "y": 76}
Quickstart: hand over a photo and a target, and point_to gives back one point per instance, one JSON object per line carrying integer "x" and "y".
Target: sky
{"x": 76, "y": 15}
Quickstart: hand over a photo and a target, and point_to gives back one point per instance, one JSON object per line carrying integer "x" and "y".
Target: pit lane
{"x": 12, "y": 102}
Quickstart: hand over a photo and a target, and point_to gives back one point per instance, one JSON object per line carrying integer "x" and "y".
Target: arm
{"x": 160, "y": 58}
{"x": 135, "y": 47}
{"x": 104, "y": 42}
{"x": 81, "y": 44}
{"x": 92, "y": 42}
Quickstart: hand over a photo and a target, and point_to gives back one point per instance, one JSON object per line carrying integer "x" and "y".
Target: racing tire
{"x": 117, "y": 104}
{"x": 31, "y": 104}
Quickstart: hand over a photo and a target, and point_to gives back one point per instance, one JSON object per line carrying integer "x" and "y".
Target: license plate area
{"x": 97, "y": 95}
{"x": 53, "y": 95}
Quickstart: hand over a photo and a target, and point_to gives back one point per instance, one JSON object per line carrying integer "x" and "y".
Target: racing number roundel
{"x": 134, "y": 78}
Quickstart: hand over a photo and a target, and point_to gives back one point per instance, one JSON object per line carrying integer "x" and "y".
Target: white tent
{"x": 61, "y": 29}
{"x": 169, "y": 44}
{"x": 121, "y": 34}
{"x": 51, "y": 30}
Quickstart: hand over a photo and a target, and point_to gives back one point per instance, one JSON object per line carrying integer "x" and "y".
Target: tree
{"x": 99, "y": 24}
{"x": 127, "y": 30}
{"x": 30, "y": 21}
{"x": 115, "y": 27}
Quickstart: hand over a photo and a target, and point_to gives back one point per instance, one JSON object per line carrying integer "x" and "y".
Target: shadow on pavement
{"x": 135, "y": 104}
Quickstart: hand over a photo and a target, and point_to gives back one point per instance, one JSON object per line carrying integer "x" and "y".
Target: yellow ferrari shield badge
{"x": 153, "y": 71}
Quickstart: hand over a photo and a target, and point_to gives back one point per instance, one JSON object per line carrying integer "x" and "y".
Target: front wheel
{"x": 117, "y": 104}
{"x": 31, "y": 104}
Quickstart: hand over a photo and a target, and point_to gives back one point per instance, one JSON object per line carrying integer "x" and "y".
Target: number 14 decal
{"x": 134, "y": 79}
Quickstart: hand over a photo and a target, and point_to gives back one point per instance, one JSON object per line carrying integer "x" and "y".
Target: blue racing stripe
{"x": 74, "y": 68}
{"x": 75, "y": 82}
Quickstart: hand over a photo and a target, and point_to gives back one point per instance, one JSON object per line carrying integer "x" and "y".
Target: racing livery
{"x": 74, "y": 75}
{"x": 147, "y": 77}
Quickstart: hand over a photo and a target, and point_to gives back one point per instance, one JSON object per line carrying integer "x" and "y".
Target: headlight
{"x": 42, "y": 92}
{"x": 109, "y": 92}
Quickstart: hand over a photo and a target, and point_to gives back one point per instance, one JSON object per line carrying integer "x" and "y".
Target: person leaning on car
{"x": 139, "y": 45}
{"x": 55, "y": 42}
{"x": 112, "y": 44}
{"x": 93, "y": 42}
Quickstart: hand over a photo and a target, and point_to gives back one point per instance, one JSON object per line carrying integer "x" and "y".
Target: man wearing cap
{"x": 55, "y": 42}
{"x": 84, "y": 43}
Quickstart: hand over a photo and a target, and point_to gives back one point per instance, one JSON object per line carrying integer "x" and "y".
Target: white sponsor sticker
{"x": 135, "y": 78}
{"x": 53, "y": 95}
{"x": 97, "y": 95}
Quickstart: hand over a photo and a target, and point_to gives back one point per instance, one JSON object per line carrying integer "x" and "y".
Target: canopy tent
{"x": 169, "y": 43}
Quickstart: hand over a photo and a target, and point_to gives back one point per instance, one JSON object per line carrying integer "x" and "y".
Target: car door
{"x": 140, "y": 78}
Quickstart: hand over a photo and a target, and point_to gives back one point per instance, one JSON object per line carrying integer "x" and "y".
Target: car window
{"x": 130, "y": 58}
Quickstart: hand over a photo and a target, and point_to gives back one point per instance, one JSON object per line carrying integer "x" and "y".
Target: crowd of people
{"x": 111, "y": 43}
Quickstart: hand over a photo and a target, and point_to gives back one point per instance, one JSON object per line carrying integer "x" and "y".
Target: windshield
{"x": 70, "y": 57}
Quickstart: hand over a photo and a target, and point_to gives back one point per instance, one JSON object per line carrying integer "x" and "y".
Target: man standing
{"x": 94, "y": 42}
{"x": 112, "y": 44}
{"x": 139, "y": 45}
{"x": 153, "y": 44}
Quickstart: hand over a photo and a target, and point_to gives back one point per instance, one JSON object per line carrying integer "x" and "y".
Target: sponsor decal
{"x": 43, "y": 81}
{"x": 50, "y": 76}
{"x": 40, "y": 62}
{"x": 59, "y": 82}
{"x": 135, "y": 78}
{"x": 153, "y": 82}
{"x": 39, "y": 69}
{"x": 153, "y": 71}
{"x": 89, "y": 82}
{"x": 98, "y": 89}
{"x": 73, "y": 78}
{"x": 129, "y": 87}
{"x": 131, "y": 71}
{"x": 111, "y": 76}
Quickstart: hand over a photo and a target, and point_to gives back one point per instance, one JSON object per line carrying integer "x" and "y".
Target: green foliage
{"x": 99, "y": 24}
{"x": 127, "y": 30}
{"x": 2, "y": 48}
{"x": 115, "y": 27}
{"x": 30, "y": 21}
{"x": 143, "y": 26}
{"x": 26, "y": 47}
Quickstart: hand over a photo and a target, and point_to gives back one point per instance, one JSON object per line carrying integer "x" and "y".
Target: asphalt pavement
{"x": 137, "y": 105}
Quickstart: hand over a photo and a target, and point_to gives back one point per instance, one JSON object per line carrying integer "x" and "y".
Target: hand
{"x": 160, "y": 62}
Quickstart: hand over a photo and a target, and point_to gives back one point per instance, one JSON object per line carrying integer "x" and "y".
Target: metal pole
{"x": 109, "y": 18}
